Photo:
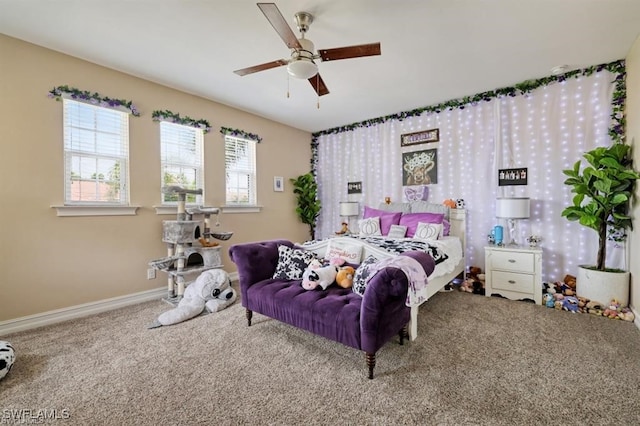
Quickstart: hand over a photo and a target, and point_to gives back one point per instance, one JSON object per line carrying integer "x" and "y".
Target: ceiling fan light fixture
{"x": 302, "y": 68}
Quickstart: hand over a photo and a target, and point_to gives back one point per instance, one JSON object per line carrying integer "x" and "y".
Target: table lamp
{"x": 349, "y": 209}
{"x": 512, "y": 209}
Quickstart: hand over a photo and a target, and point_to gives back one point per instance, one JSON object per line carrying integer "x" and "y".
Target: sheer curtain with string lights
{"x": 546, "y": 131}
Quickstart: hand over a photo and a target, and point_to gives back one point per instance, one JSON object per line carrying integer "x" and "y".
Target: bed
{"x": 453, "y": 246}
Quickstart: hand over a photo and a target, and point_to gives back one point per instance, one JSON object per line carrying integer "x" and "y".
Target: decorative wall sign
{"x": 354, "y": 187}
{"x": 512, "y": 176}
{"x": 417, "y": 138}
{"x": 420, "y": 167}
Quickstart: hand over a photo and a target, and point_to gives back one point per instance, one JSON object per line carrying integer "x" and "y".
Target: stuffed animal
{"x": 449, "y": 203}
{"x": 7, "y": 358}
{"x": 314, "y": 277}
{"x": 570, "y": 281}
{"x": 211, "y": 291}
{"x": 570, "y": 304}
{"x": 344, "y": 229}
{"x": 548, "y": 300}
{"x": 344, "y": 277}
{"x": 612, "y": 310}
{"x": 474, "y": 271}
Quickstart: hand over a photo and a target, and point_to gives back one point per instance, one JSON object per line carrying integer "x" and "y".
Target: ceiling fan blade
{"x": 273, "y": 15}
{"x": 318, "y": 85}
{"x": 347, "y": 52}
{"x": 261, "y": 67}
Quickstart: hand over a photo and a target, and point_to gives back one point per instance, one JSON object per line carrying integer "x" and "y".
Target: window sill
{"x": 173, "y": 209}
{"x": 166, "y": 210}
{"x": 67, "y": 211}
{"x": 240, "y": 209}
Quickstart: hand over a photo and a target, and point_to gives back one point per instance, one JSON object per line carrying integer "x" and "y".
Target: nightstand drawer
{"x": 512, "y": 261}
{"x": 522, "y": 283}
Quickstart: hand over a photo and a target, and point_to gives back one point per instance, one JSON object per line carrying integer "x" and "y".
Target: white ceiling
{"x": 432, "y": 50}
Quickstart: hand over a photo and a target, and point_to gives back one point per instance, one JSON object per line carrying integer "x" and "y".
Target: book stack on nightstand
{"x": 514, "y": 272}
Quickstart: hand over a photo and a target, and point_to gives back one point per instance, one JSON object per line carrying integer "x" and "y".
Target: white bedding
{"x": 451, "y": 246}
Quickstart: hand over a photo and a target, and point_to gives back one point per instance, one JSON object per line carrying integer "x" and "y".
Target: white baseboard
{"x": 85, "y": 309}
{"x": 636, "y": 321}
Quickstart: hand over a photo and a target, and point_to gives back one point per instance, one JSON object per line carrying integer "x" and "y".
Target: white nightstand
{"x": 514, "y": 272}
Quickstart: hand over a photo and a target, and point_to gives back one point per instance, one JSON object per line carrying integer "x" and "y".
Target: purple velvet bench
{"x": 365, "y": 323}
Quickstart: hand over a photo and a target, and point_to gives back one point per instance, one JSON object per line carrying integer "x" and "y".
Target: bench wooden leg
{"x": 249, "y": 316}
{"x": 404, "y": 334}
{"x": 371, "y": 363}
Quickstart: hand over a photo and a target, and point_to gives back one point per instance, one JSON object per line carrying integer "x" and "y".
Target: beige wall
{"x": 633, "y": 137}
{"x": 49, "y": 262}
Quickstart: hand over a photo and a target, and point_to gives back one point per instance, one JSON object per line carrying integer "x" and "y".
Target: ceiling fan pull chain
{"x": 287, "y": 85}
{"x": 317, "y": 90}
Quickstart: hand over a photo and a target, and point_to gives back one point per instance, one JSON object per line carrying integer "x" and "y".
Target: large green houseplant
{"x": 603, "y": 193}
{"x": 306, "y": 190}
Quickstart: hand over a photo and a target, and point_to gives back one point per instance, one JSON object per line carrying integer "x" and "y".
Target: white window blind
{"x": 96, "y": 154}
{"x": 240, "y": 168}
{"x": 181, "y": 160}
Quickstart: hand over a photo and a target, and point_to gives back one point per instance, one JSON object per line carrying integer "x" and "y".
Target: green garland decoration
{"x": 242, "y": 133}
{"x": 173, "y": 117}
{"x": 616, "y": 129}
{"x": 92, "y": 98}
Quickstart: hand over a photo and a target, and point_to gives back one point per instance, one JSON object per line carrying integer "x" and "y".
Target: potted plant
{"x": 306, "y": 190}
{"x": 603, "y": 191}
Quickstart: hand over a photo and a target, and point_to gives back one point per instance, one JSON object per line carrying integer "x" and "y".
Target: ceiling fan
{"x": 302, "y": 62}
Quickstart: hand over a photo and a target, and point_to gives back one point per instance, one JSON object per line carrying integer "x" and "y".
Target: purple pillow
{"x": 386, "y": 218}
{"x": 446, "y": 227}
{"x": 410, "y": 220}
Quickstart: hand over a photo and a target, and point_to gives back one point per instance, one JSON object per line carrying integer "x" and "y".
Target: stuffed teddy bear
{"x": 344, "y": 277}
{"x": 314, "y": 276}
{"x": 211, "y": 291}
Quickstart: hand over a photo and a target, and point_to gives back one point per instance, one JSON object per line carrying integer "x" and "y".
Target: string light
{"x": 545, "y": 131}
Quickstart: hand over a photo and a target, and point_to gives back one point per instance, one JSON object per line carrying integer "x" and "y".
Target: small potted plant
{"x": 306, "y": 190}
{"x": 603, "y": 191}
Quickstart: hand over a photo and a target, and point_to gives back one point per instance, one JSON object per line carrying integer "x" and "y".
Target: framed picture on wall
{"x": 507, "y": 177}
{"x": 278, "y": 183}
{"x": 420, "y": 167}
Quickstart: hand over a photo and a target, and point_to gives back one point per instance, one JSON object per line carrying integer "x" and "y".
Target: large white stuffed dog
{"x": 211, "y": 291}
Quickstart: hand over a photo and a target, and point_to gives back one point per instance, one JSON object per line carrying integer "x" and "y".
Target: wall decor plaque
{"x": 508, "y": 177}
{"x": 417, "y": 138}
{"x": 354, "y": 187}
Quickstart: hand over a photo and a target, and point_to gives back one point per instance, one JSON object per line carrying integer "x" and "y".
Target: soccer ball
{"x": 7, "y": 357}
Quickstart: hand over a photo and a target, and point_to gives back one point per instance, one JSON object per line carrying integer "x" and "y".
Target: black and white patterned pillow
{"x": 292, "y": 263}
{"x": 362, "y": 274}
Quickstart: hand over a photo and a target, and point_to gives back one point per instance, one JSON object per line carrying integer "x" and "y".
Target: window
{"x": 96, "y": 155}
{"x": 181, "y": 160}
{"x": 240, "y": 168}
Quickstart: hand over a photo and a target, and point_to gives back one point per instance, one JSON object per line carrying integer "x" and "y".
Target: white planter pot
{"x": 603, "y": 286}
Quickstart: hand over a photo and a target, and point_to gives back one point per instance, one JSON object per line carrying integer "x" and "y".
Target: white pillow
{"x": 397, "y": 231}
{"x": 344, "y": 249}
{"x": 428, "y": 231}
{"x": 369, "y": 226}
